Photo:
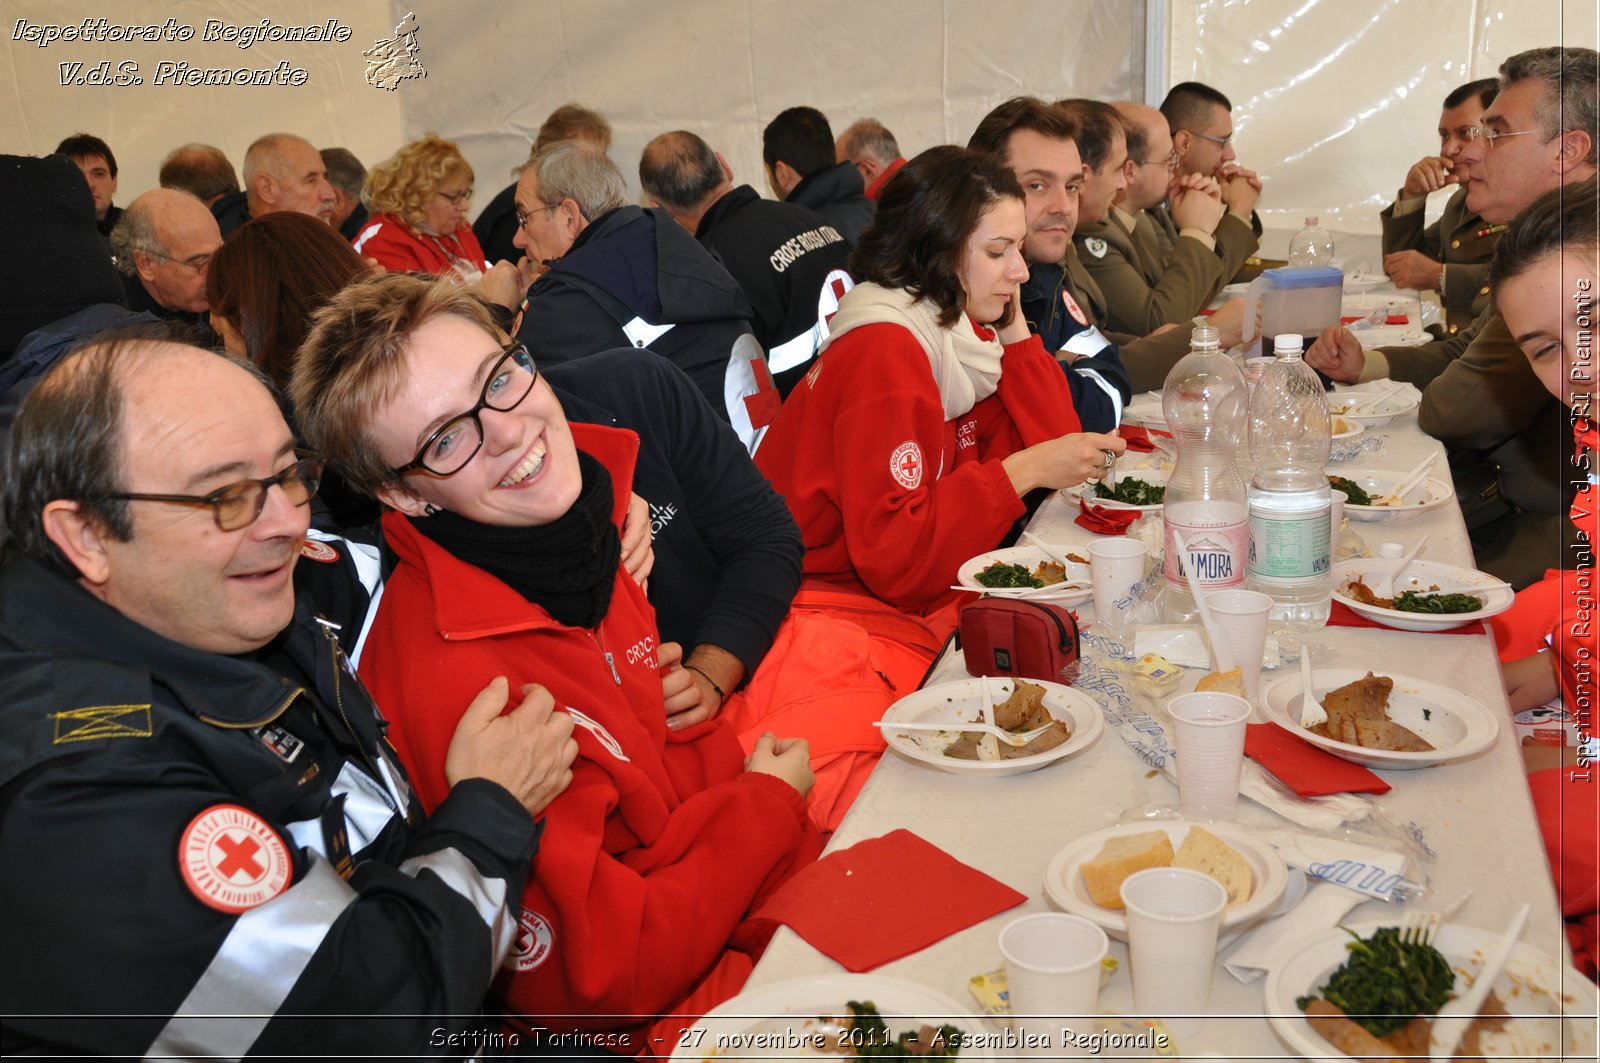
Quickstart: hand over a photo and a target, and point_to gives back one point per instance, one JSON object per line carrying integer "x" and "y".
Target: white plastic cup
{"x": 1173, "y": 915}
{"x": 1116, "y": 564}
{"x": 1242, "y": 616}
{"x": 1209, "y": 729}
{"x": 1052, "y": 968}
{"x": 1337, "y": 516}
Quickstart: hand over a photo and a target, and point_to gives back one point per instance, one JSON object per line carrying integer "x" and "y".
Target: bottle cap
{"x": 1310, "y": 222}
{"x": 1288, "y": 343}
{"x": 1391, "y": 550}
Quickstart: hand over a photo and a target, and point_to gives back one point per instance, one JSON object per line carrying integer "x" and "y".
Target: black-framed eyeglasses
{"x": 458, "y": 199}
{"x": 1220, "y": 142}
{"x": 523, "y": 219}
{"x": 448, "y": 449}
{"x": 237, "y": 505}
{"x": 1490, "y": 137}
{"x": 198, "y": 263}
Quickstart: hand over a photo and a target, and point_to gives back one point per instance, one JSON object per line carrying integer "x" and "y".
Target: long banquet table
{"x": 1476, "y": 815}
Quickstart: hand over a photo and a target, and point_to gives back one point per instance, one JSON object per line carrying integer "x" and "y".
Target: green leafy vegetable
{"x": 1132, "y": 491}
{"x": 868, "y": 1036}
{"x": 1413, "y": 602}
{"x": 1386, "y": 982}
{"x": 1001, "y": 574}
{"x": 1355, "y": 495}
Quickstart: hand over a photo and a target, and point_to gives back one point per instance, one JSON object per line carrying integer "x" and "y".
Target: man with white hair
{"x": 617, "y": 275}
{"x": 163, "y": 245}
{"x": 281, "y": 172}
{"x": 873, "y": 150}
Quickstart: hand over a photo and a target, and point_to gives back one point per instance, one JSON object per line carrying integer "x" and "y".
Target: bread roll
{"x": 1208, "y": 854}
{"x": 1121, "y": 857}
{"x": 1229, "y": 682}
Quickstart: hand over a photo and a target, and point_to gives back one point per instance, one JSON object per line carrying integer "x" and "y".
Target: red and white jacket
{"x": 889, "y": 495}
{"x": 399, "y": 248}
{"x": 661, "y": 845}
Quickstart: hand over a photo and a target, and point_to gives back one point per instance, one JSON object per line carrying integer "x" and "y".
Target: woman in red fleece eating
{"x": 503, "y": 526}
{"x": 932, "y": 412}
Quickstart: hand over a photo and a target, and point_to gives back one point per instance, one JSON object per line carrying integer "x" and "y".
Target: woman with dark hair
{"x": 1545, "y": 276}
{"x": 932, "y": 411}
{"x": 503, "y": 524}
{"x": 266, "y": 281}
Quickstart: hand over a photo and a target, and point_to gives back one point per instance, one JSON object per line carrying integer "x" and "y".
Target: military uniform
{"x": 1461, "y": 239}
{"x": 1236, "y": 239}
{"x": 1147, "y": 359}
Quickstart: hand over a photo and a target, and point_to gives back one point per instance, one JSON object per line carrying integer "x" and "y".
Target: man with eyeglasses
{"x": 1156, "y": 270}
{"x": 208, "y": 842}
{"x": 163, "y": 245}
{"x": 1508, "y": 437}
{"x": 1451, "y": 256}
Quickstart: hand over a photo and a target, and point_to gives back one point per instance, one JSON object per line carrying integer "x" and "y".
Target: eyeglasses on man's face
{"x": 238, "y": 505}
{"x": 1489, "y": 136}
{"x": 448, "y": 449}
{"x": 1220, "y": 142}
{"x": 1170, "y": 161}
{"x": 198, "y": 263}
{"x": 524, "y": 219}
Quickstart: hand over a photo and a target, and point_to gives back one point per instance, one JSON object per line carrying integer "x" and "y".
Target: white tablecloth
{"x": 1476, "y": 816}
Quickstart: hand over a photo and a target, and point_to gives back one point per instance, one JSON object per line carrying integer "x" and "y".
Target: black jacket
{"x": 496, "y": 227}
{"x": 727, "y": 550}
{"x": 635, "y": 278}
{"x": 351, "y": 227}
{"x": 1098, "y": 379}
{"x": 117, "y": 746}
{"x": 783, "y": 256}
{"x": 231, "y": 211}
{"x": 839, "y": 195}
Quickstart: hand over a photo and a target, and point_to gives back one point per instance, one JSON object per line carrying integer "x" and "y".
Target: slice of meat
{"x": 1329, "y": 1020}
{"x": 1057, "y": 734}
{"x": 1385, "y": 734}
{"x": 1365, "y": 699}
{"x": 1023, "y": 710}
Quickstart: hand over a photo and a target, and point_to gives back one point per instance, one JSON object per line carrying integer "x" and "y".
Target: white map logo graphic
{"x": 393, "y": 61}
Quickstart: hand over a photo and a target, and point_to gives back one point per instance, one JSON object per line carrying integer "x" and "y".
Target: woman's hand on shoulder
{"x": 638, "y": 548}
{"x": 1061, "y": 462}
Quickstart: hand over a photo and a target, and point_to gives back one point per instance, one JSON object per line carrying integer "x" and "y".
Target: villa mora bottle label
{"x": 1218, "y": 552}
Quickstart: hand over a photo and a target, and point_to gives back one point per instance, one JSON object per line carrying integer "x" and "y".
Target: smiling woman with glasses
{"x": 419, "y": 198}
{"x": 503, "y": 528}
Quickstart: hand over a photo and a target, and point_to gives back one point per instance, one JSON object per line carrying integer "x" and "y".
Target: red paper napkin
{"x": 1138, "y": 439}
{"x": 1392, "y": 319}
{"x": 885, "y": 898}
{"x": 1103, "y": 520}
{"x": 1342, "y": 615}
{"x": 1305, "y": 769}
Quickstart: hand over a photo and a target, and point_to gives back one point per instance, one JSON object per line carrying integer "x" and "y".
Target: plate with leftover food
{"x": 1428, "y": 596}
{"x": 1344, "y": 428}
{"x": 1140, "y": 489}
{"x": 1029, "y": 570}
{"x": 1020, "y": 705}
{"x": 1387, "y": 720}
{"x": 839, "y": 1016}
{"x": 1370, "y": 494}
{"x": 1312, "y": 994}
{"x": 1084, "y": 878}
{"x": 1374, "y": 415}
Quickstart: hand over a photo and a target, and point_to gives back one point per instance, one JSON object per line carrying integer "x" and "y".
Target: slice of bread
{"x": 1121, "y": 857}
{"x": 1229, "y": 682}
{"x": 1208, "y": 854}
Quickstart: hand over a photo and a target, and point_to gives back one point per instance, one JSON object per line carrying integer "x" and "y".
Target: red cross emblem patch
{"x": 1074, "y": 309}
{"x": 232, "y": 860}
{"x": 905, "y": 465}
{"x": 536, "y": 939}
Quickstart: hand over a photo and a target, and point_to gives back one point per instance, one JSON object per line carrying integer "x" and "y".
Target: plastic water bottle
{"x": 1205, "y": 400}
{"x": 1311, "y": 246}
{"x": 1291, "y": 504}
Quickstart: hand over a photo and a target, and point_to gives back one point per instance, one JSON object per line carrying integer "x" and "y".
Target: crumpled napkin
{"x": 1275, "y": 940}
{"x": 1104, "y": 520}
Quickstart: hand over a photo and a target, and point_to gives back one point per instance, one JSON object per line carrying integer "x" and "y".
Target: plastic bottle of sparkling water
{"x": 1311, "y": 246}
{"x": 1204, "y": 400}
{"x": 1291, "y": 505}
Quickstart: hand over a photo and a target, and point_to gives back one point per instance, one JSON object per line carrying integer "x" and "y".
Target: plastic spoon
{"x": 1372, "y": 400}
{"x": 1412, "y": 479}
{"x": 1311, "y": 710}
{"x": 1010, "y": 738}
{"x": 1221, "y": 648}
{"x": 1049, "y": 551}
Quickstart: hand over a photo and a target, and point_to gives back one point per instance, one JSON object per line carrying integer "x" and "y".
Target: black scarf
{"x": 566, "y": 567}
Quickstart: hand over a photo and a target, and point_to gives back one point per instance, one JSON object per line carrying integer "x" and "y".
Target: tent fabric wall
{"x": 1333, "y": 100}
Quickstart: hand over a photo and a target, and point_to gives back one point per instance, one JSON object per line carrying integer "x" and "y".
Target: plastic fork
{"x": 1372, "y": 400}
{"x": 1413, "y": 479}
{"x": 1010, "y": 738}
{"x": 1419, "y": 928}
{"x": 1311, "y": 710}
{"x": 1382, "y": 584}
{"x": 1454, "y": 1018}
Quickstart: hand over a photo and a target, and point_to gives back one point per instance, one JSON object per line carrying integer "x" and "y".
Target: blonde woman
{"x": 419, "y": 198}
